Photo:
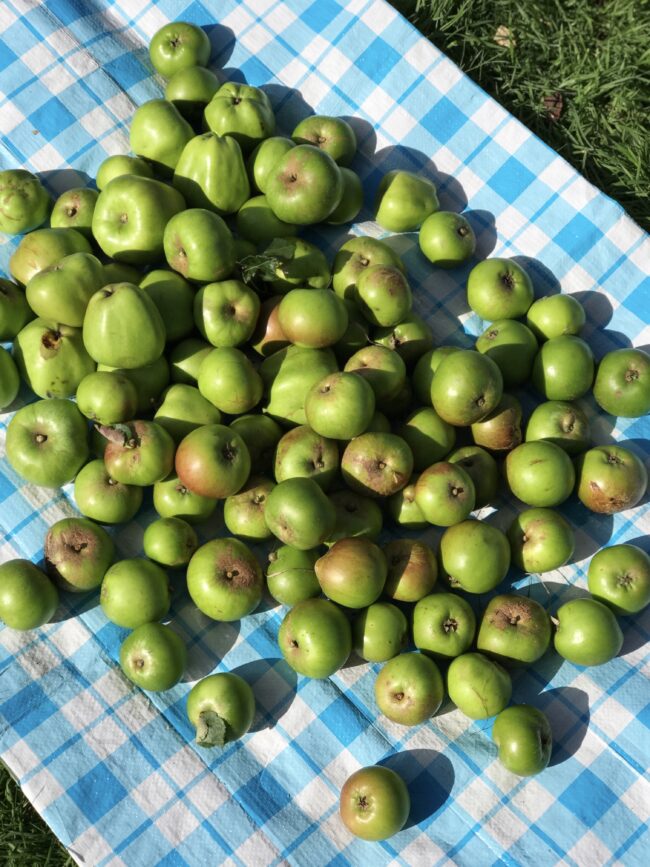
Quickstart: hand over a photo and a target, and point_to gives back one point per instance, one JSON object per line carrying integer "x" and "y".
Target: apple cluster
{"x": 179, "y": 335}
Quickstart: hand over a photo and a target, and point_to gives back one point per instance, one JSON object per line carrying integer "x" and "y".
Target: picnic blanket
{"x": 113, "y": 770}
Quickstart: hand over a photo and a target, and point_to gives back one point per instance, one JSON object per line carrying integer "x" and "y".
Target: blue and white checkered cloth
{"x": 113, "y": 770}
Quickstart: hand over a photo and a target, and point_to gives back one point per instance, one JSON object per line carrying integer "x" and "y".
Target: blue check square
{"x": 444, "y": 120}
{"x": 27, "y": 709}
{"x": 97, "y": 792}
{"x": 51, "y": 118}
{"x": 588, "y": 798}
{"x": 378, "y": 59}
{"x": 263, "y": 797}
{"x": 320, "y": 14}
{"x": 578, "y": 236}
{"x": 511, "y": 180}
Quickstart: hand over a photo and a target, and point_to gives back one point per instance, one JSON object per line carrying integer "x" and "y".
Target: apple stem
{"x": 554, "y": 621}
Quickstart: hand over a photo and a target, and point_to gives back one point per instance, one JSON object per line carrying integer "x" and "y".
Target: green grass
{"x": 594, "y": 53}
{"x": 25, "y": 840}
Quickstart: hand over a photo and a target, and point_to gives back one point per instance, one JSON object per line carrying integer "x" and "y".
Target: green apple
{"x": 198, "y": 244}
{"x": 77, "y": 554}
{"x": 102, "y": 498}
{"x": 352, "y": 259}
{"x": 149, "y": 380}
{"x": 158, "y": 134}
{"x": 221, "y": 707}
{"x": 268, "y": 337}
{"x": 447, "y": 239}
{"x": 153, "y": 656}
{"x": 355, "y": 516}
{"x": 333, "y": 135}
{"x": 171, "y": 499}
{"x": 482, "y": 470}
{"x": 138, "y": 453}
{"x": 540, "y": 540}
{"x": 178, "y": 45}
{"x": 183, "y": 409}
{"x": 443, "y": 625}
{"x": 262, "y": 160}
{"x": 404, "y": 200}
{"x": 242, "y": 112}
{"x": 383, "y": 295}
{"x": 622, "y": 385}
{"x": 9, "y": 379}
{"x": 515, "y": 629}
{"x": 243, "y": 512}
{"x": 174, "y": 299}
{"x": 562, "y": 423}
{"x": 134, "y": 592}
{"x": 425, "y": 370}
{"x": 42, "y": 248}
{"x": 226, "y": 313}
{"x": 412, "y": 570}
{"x": 512, "y": 346}
{"x": 374, "y": 803}
{"x": 211, "y": 174}
{"x": 120, "y": 164}
{"x": 384, "y": 370}
{"x": 524, "y": 738}
{"x": 478, "y": 686}
{"x": 619, "y": 576}
{"x": 474, "y": 556}
{"x": 499, "y": 289}
{"x": 298, "y": 513}
{"x": 351, "y": 200}
{"x": 409, "y": 689}
{"x": 587, "y": 632}
{"x": 290, "y": 575}
{"x": 379, "y": 632}
{"x": 445, "y": 494}
{"x": 120, "y": 272}
{"x": 563, "y": 368}
{"x": 24, "y": 202}
{"x": 28, "y": 598}
{"x": 257, "y": 222}
{"x": 377, "y": 464}
{"x": 122, "y": 327}
{"x": 74, "y": 210}
{"x": 610, "y": 479}
{"x": 261, "y": 435}
{"x": 130, "y": 218}
{"x": 353, "y": 572}
{"x": 539, "y": 473}
{"x": 15, "y": 312}
{"x": 303, "y": 453}
{"x": 61, "y": 292}
{"x": 466, "y": 387}
{"x": 47, "y": 442}
{"x": 51, "y": 360}
{"x": 410, "y": 338}
{"x": 429, "y": 437}
{"x": 191, "y": 89}
{"x": 288, "y": 376}
{"x": 340, "y": 406}
{"x": 224, "y": 579}
{"x": 404, "y": 510}
{"x": 500, "y": 430}
{"x": 315, "y": 638}
{"x": 555, "y": 316}
{"x": 170, "y": 542}
{"x": 312, "y": 318}
{"x": 304, "y": 186}
{"x": 185, "y": 360}
{"x": 213, "y": 461}
{"x": 229, "y": 381}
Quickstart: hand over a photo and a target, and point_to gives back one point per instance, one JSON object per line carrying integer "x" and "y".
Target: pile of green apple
{"x": 180, "y": 335}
